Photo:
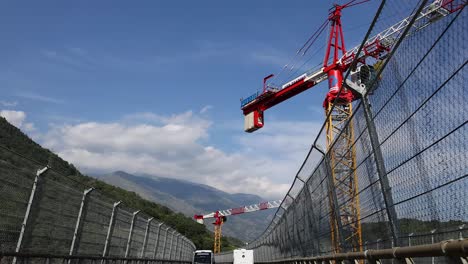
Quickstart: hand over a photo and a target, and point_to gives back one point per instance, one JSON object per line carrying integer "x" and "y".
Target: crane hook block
{"x": 253, "y": 121}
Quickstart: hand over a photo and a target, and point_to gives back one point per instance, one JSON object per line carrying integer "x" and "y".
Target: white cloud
{"x": 17, "y": 118}
{"x": 39, "y": 97}
{"x": 177, "y": 146}
{"x": 9, "y": 103}
{"x": 205, "y": 109}
{"x": 29, "y": 127}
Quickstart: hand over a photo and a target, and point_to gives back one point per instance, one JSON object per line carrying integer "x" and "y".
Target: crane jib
{"x": 264, "y": 206}
{"x": 235, "y": 211}
{"x": 249, "y": 99}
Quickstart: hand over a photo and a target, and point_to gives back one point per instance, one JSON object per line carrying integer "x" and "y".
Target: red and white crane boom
{"x": 239, "y": 210}
{"x": 220, "y": 218}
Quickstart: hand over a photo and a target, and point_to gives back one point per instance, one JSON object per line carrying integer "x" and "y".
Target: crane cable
{"x": 307, "y": 45}
{"x": 300, "y": 53}
{"x": 322, "y": 28}
{"x": 351, "y": 3}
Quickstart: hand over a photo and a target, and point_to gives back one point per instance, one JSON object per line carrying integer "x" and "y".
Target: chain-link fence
{"x": 45, "y": 212}
{"x": 409, "y": 147}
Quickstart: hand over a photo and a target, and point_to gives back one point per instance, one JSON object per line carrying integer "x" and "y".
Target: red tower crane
{"x": 376, "y": 47}
{"x": 220, "y": 217}
{"x": 338, "y": 104}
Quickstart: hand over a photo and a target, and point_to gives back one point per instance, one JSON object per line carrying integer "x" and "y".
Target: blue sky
{"x": 159, "y": 82}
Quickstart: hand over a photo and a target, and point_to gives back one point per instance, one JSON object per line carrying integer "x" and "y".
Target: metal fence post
{"x": 78, "y": 225}
{"x": 432, "y": 241}
{"x": 182, "y": 247}
{"x": 268, "y": 251}
{"x": 268, "y": 248}
{"x": 174, "y": 242}
{"x": 130, "y": 234}
{"x": 187, "y": 249}
{"x": 460, "y": 235}
{"x": 157, "y": 241}
{"x": 145, "y": 239}
{"x": 176, "y": 246}
{"x": 331, "y": 189}
{"x": 192, "y": 248}
{"x": 262, "y": 251}
{"x": 278, "y": 241}
{"x": 381, "y": 171}
{"x": 110, "y": 228}
{"x": 314, "y": 225}
{"x": 272, "y": 247}
{"x": 28, "y": 210}
{"x": 183, "y": 252}
{"x": 164, "y": 243}
{"x": 170, "y": 245}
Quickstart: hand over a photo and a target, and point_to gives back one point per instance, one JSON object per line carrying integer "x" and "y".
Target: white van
{"x": 203, "y": 257}
{"x": 243, "y": 256}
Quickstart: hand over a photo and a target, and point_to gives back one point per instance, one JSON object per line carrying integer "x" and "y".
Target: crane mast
{"x": 338, "y": 109}
{"x": 220, "y": 218}
{"x": 345, "y": 217}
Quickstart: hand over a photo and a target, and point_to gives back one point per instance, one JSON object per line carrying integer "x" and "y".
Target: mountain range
{"x": 192, "y": 198}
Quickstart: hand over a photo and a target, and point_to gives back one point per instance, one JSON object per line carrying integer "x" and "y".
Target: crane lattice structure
{"x": 345, "y": 219}
{"x": 220, "y": 218}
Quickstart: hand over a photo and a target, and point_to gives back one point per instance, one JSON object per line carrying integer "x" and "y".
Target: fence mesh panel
{"x": 95, "y": 225}
{"x": 52, "y": 222}
{"x": 54, "y": 216}
{"x": 153, "y": 238}
{"x": 14, "y": 193}
{"x": 419, "y": 110}
{"x": 138, "y": 236}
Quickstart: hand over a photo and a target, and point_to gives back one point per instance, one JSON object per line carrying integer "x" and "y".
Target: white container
{"x": 243, "y": 256}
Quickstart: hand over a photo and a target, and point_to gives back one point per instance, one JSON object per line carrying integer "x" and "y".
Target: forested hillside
{"x": 21, "y": 147}
{"x": 192, "y": 198}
